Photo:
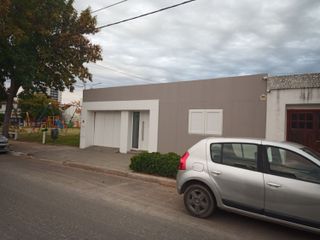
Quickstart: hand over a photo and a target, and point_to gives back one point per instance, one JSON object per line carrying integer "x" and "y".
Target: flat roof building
{"x": 171, "y": 117}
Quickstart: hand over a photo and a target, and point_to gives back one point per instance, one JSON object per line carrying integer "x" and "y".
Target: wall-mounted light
{"x": 263, "y": 97}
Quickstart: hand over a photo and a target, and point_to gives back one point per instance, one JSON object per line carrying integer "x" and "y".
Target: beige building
{"x": 174, "y": 116}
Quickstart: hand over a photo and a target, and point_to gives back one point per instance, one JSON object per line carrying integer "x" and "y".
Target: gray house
{"x": 173, "y": 116}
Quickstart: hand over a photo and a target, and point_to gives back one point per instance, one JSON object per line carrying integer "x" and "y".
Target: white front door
{"x": 140, "y": 130}
{"x": 144, "y": 130}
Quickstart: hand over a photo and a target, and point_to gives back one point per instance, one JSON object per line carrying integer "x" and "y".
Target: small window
{"x": 302, "y": 120}
{"x": 240, "y": 155}
{"x": 205, "y": 121}
{"x": 292, "y": 165}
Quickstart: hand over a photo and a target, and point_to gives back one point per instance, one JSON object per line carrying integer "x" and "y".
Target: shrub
{"x": 165, "y": 165}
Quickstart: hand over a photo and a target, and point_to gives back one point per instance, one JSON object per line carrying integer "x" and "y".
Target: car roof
{"x": 286, "y": 143}
{"x": 230, "y": 140}
{"x": 255, "y": 140}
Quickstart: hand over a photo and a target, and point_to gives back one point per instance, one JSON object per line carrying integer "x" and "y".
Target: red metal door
{"x": 303, "y": 126}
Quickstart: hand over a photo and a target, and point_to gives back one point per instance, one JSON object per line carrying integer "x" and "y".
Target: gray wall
{"x": 244, "y": 114}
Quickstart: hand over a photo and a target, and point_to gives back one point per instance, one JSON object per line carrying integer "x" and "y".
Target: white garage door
{"x": 107, "y": 129}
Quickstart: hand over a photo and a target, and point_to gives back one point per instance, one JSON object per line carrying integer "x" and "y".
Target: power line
{"x": 124, "y": 73}
{"x": 84, "y": 84}
{"x": 145, "y": 14}
{"x": 114, "y": 4}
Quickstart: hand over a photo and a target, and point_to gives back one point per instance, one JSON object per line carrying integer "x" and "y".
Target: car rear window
{"x": 240, "y": 155}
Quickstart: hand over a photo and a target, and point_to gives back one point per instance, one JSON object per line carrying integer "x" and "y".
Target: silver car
{"x": 278, "y": 182}
{"x": 4, "y": 145}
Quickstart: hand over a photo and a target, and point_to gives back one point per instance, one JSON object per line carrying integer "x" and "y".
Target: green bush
{"x": 165, "y": 165}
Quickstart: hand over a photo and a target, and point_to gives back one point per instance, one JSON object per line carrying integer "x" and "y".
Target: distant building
{"x": 54, "y": 94}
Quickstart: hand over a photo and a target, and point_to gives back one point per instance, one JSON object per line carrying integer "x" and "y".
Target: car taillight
{"x": 183, "y": 161}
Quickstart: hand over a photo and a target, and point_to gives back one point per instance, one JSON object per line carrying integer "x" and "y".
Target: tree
{"x": 38, "y": 106}
{"x": 44, "y": 43}
{"x": 3, "y": 93}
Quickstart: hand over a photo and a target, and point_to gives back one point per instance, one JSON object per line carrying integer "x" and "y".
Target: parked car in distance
{"x": 273, "y": 181}
{"x": 4, "y": 145}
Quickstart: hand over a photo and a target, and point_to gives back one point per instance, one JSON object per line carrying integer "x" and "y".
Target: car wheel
{"x": 199, "y": 201}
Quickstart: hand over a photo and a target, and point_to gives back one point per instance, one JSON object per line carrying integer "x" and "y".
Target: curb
{"x": 138, "y": 176}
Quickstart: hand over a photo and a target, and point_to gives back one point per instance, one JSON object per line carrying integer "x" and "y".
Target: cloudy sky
{"x": 202, "y": 39}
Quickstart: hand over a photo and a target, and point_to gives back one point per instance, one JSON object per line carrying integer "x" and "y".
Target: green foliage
{"x": 69, "y": 138}
{"x": 165, "y": 165}
{"x": 44, "y": 43}
{"x": 38, "y": 106}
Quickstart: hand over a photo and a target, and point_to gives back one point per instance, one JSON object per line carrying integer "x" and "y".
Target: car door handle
{"x": 215, "y": 172}
{"x": 275, "y": 185}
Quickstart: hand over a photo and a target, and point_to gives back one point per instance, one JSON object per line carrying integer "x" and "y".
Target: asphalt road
{"x": 39, "y": 200}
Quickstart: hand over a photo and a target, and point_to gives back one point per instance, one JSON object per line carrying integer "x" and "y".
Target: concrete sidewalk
{"x": 98, "y": 159}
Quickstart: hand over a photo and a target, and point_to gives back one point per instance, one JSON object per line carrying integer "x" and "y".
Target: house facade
{"x": 293, "y": 109}
{"x": 171, "y": 117}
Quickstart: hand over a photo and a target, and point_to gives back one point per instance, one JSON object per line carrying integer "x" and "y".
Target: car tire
{"x": 199, "y": 201}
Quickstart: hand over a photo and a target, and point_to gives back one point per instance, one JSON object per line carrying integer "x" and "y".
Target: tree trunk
{"x": 9, "y": 106}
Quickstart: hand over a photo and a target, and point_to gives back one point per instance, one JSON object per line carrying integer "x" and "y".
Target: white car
{"x": 278, "y": 182}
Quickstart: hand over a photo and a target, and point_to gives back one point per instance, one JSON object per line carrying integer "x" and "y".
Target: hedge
{"x": 165, "y": 165}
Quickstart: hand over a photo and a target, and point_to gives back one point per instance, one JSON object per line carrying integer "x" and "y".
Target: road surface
{"x": 39, "y": 200}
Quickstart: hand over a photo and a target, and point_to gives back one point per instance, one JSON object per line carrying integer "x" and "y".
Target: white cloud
{"x": 68, "y": 97}
{"x": 206, "y": 39}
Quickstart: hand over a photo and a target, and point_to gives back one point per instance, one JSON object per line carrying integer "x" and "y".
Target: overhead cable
{"x": 145, "y": 14}
{"x": 114, "y": 4}
{"x": 123, "y": 73}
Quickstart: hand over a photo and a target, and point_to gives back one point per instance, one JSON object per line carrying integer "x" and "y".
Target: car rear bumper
{"x": 4, "y": 147}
